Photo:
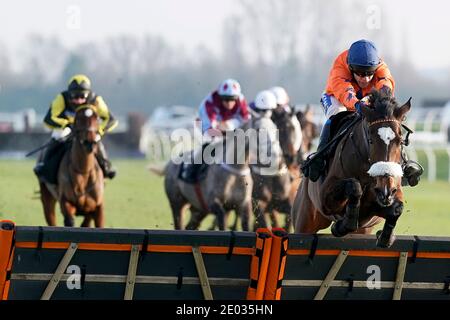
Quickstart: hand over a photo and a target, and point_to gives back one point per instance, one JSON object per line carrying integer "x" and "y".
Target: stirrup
{"x": 111, "y": 173}
{"x": 412, "y": 172}
{"x": 38, "y": 169}
{"x": 314, "y": 167}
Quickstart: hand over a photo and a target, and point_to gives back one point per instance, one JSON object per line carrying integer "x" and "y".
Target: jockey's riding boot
{"x": 411, "y": 171}
{"x": 315, "y": 164}
{"x": 103, "y": 161}
{"x": 191, "y": 168}
{"x": 43, "y": 159}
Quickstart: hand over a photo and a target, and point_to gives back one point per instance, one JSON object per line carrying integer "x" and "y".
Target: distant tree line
{"x": 265, "y": 43}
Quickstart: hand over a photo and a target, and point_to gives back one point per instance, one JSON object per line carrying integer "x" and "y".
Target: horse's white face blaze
{"x": 387, "y": 173}
{"x": 88, "y": 113}
{"x": 382, "y": 168}
{"x": 386, "y": 134}
{"x": 86, "y": 123}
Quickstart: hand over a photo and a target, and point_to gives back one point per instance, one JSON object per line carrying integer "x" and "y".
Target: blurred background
{"x": 154, "y": 61}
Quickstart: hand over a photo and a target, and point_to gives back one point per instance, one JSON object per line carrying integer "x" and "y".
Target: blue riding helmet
{"x": 363, "y": 56}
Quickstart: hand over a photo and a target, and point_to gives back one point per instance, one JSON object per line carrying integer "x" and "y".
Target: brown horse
{"x": 310, "y": 130}
{"x": 271, "y": 192}
{"x": 80, "y": 179}
{"x": 363, "y": 184}
{"x": 275, "y": 193}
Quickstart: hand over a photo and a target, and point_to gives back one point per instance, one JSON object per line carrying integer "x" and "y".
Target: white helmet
{"x": 230, "y": 88}
{"x": 281, "y": 94}
{"x": 265, "y": 100}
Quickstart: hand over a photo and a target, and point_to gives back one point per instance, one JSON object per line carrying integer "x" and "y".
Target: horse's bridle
{"x": 404, "y": 141}
{"x": 89, "y": 129}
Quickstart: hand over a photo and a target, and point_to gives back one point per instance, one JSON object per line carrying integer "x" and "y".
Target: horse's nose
{"x": 385, "y": 196}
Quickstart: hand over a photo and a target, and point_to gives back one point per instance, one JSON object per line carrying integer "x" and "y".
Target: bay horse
{"x": 271, "y": 193}
{"x": 310, "y": 130}
{"x": 363, "y": 184}
{"x": 296, "y": 132}
{"x": 80, "y": 185}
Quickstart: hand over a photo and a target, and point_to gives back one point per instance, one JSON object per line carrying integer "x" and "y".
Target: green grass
{"x": 136, "y": 199}
{"x": 442, "y": 163}
{"x": 435, "y": 127}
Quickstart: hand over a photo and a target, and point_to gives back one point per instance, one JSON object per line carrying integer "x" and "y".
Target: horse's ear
{"x": 401, "y": 112}
{"x": 291, "y": 111}
{"x": 367, "y": 111}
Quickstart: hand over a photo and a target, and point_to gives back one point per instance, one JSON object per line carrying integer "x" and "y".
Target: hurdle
{"x": 120, "y": 264}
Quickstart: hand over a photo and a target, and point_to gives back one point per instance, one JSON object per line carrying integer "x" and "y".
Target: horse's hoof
{"x": 384, "y": 242}
{"x": 336, "y": 229}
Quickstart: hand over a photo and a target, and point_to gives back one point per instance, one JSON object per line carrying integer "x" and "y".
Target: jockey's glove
{"x": 61, "y": 134}
{"x": 359, "y": 105}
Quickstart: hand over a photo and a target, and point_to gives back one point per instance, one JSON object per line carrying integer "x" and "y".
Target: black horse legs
{"x": 351, "y": 189}
{"x": 220, "y": 213}
{"x": 386, "y": 238}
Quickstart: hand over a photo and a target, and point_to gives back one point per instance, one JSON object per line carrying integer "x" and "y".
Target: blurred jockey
{"x": 282, "y": 98}
{"x": 354, "y": 73}
{"x": 266, "y": 102}
{"x": 222, "y": 110}
{"x": 60, "y": 118}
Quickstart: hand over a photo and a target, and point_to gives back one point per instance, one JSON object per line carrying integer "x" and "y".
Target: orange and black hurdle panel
{"x": 7, "y": 229}
{"x": 260, "y": 264}
{"x": 324, "y": 267}
{"x": 75, "y": 263}
{"x": 277, "y": 264}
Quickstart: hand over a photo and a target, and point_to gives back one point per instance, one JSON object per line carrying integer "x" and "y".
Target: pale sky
{"x": 194, "y": 22}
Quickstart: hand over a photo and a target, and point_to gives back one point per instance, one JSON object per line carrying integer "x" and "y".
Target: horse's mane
{"x": 383, "y": 104}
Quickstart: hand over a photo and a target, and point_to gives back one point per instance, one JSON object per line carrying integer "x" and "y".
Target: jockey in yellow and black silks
{"x": 60, "y": 118}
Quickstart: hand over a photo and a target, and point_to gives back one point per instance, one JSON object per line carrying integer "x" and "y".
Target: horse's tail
{"x": 158, "y": 170}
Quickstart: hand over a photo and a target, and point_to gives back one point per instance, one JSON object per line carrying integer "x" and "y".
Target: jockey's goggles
{"x": 363, "y": 74}
{"x": 78, "y": 95}
{"x": 228, "y": 98}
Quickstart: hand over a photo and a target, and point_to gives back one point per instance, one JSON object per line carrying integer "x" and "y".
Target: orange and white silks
{"x": 344, "y": 88}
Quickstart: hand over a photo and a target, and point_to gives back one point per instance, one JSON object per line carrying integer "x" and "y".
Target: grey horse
{"x": 226, "y": 187}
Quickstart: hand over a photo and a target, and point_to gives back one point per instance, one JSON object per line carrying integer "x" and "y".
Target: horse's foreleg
{"x": 177, "y": 214}
{"x": 284, "y": 207}
{"x": 236, "y": 220}
{"x": 243, "y": 212}
{"x": 260, "y": 221}
{"x": 352, "y": 191}
{"x": 287, "y": 222}
{"x": 219, "y": 211}
{"x": 386, "y": 238}
{"x": 68, "y": 211}
{"x": 273, "y": 218}
{"x": 48, "y": 204}
{"x": 197, "y": 217}
{"x": 86, "y": 221}
{"x": 99, "y": 217}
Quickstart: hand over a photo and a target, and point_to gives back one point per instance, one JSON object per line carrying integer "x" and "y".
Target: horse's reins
{"x": 404, "y": 141}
